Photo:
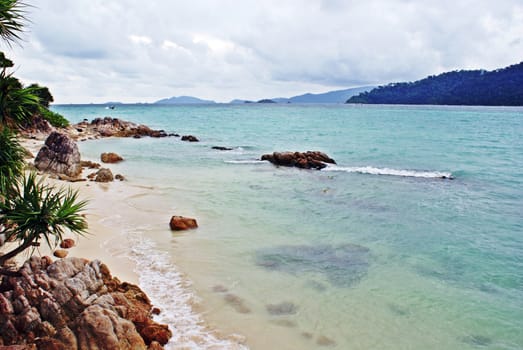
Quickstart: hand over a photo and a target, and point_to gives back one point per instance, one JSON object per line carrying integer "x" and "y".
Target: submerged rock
{"x": 307, "y": 160}
{"x": 190, "y": 138}
{"x": 59, "y": 155}
{"x": 342, "y": 265}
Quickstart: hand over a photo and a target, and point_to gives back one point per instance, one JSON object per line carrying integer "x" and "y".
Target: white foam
{"x": 391, "y": 172}
{"x": 169, "y": 291}
{"x": 253, "y": 161}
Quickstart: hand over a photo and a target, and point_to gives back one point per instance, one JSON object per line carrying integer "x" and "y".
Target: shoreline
{"x": 101, "y": 198}
{"x": 119, "y": 236}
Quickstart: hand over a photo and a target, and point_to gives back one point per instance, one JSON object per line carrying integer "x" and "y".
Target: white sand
{"x": 105, "y": 202}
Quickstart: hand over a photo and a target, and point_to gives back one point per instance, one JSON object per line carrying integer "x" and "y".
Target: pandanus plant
{"x": 36, "y": 211}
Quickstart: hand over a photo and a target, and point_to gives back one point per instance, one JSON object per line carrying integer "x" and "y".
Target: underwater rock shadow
{"x": 343, "y": 265}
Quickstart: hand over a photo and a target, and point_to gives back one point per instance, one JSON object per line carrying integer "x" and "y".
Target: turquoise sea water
{"x": 377, "y": 252}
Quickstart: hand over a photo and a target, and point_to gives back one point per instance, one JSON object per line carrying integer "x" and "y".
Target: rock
{"x": 81, "y": 306}
{"x": 307, "y": 160}
{"x": 104, "y": 175}
{"x": 221, "y": 148}
{"x": 284, "y": 308}
{"x": 60, "y": 253}
{"x": 107, "y": 127}
{"x": 90, "y": 165}
{"x": 119, "y": 177}
{"x": 190, "y": 138}
{"x": 67, "y": 243}
{"x": 110, "y": 157}
{"x": 59, "y": 155}
{"x": 180, "y": 223}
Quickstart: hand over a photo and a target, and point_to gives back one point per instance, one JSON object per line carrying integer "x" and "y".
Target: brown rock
{"x": 119, "y": 177}
{"x": 307, "y": 160}
{"x": 104, "y": 175}
{"x": 60, "y": 253}
{"x": 90, "y": 165}
{"x": 110, "y": 157}
{"x": 67, "y": 243}
{"x": 180, "y": 223}
{"x": 59, "y": 155}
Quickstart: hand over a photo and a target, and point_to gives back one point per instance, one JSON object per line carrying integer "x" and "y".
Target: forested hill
{"x": 501, "y": 87}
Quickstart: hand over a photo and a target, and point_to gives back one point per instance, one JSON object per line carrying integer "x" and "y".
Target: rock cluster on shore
{"x": 308, "y": 160}
{"x": 75, "y": 304}
{"x": 108, "y": 126}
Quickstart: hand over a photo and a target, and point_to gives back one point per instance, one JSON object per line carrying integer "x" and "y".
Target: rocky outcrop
{"x": 106, "y": 127}
{"x": 59, "y": 155}
{"x": 75, "y": 304}
{"x": 110, "y": 157}
{"x": 104, "y": 175}
{"x": 307, "y": 160}
{"x": 181, "y": 223}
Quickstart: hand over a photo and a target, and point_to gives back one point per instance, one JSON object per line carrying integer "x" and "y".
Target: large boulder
{"x": 75, "y": 304}
{"x": 181, "y": 223}
{"x": 59, "y": 155}
{"x": 308, "y": 160}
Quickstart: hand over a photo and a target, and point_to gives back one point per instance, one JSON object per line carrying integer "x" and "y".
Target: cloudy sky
{"x": 141, "y": 51}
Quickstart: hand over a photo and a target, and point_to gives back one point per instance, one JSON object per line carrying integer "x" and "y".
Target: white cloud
{"x": 140, "y": 39}
{"x": 95, "y": 50}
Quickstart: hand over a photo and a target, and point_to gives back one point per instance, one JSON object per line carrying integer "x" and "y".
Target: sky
{"x": 95, "y": 51}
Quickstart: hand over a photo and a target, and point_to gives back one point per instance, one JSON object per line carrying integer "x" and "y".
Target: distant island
{"x": 500, "y": 87}
{"x": 183, "y": 100}
{"x": 336, "y": 96}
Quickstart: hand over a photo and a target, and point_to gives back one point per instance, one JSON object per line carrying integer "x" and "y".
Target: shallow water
{"x": 376, "y": 252}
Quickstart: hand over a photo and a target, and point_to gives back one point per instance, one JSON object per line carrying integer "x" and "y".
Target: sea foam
{"x": 169, "y": 291}
{"x": 391, "y": 172}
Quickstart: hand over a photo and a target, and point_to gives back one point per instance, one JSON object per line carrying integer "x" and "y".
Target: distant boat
{"x": 109, "y": 107}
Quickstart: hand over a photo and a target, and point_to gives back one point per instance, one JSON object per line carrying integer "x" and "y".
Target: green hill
{"x": 500, "y": 87}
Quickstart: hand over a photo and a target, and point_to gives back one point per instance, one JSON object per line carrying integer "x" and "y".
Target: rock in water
{"x": 110, "y": 157}
{"x": 190, "y": 138}
{"x": 307, "y": 160}
{"x": 59, "y": 155}
{"x": 180, "y": 223}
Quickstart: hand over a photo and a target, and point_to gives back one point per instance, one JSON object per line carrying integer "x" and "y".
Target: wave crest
{"x": 391, "y": 172}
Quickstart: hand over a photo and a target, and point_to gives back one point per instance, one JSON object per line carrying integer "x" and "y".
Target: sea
{"x": 412, "y": 240}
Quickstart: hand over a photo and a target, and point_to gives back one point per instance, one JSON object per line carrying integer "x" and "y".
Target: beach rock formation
{"x": 181, "y": 223}
{"x": 190, "y": 138}
{"x": 59, "y": 155}
{"x": 106, "y": 127}
{"x": 307, "y": 160}
{"x": 110, "y": 157}
{"x": 104, "y": 175}
{"x": 67, "y": 243}
{"x": 90, "y": 165}
{"x": 74, "y": 303}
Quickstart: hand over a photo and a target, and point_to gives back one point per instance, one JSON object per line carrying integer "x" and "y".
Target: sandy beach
{"x": 105, "y": 201}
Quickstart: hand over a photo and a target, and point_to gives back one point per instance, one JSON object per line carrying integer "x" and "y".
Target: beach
{"x": 375, "y": 251}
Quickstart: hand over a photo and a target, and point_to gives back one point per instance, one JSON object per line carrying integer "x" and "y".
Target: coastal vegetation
{"x": 500, "y": 87}
{"x": 30, "y": 210}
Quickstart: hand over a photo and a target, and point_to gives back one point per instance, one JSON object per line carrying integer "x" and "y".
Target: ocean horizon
{"x": 381, "y": 251}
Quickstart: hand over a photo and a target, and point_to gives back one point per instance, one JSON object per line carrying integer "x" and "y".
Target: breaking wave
{"x": 391, "y": 172}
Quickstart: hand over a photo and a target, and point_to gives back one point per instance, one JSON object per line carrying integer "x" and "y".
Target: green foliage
{"x": 55, "y": 119}
{"x": 38, "y": 211}
{"x": 12, "y": 18}
{"x": 501, "y": 87}
{"x": 11, "y": 161}
{"x": 17, "y": 104}
{"x": 43, "y": 94}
